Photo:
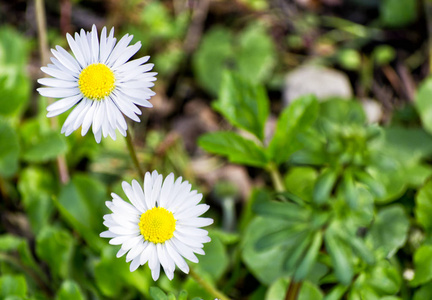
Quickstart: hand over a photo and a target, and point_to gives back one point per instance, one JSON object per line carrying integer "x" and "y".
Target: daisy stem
{"x": 133, "y": 154}
{"x": 208, "y": 287}
{"x": 294, "y": 287}
{"x": 43, "y": 49}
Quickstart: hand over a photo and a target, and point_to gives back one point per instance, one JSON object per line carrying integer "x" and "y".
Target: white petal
{"x": 57, "y": 83}
{"x": 58, "y": 73}
{"x": 76, "y": 50}
{"x": 88, "y": 118}
{"x": 192, "y": 212}
{"x": 166, "y": 189}
{"x": 139, "y": 195}
{"x": 134, "y": 264}
{"x": 131, "y": 65}
{"x": 66, "y": 59}
{"x": 94, "y": 44}
{"x": 58, "y": 92}
{"x": 178, "y": 259}
{"x": 127, "y": 54}
{"x": 195, "y": 222}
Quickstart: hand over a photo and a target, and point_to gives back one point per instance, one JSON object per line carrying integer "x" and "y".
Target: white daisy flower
{"x": 99, "y": 81}
{"x": 161, "y": 226}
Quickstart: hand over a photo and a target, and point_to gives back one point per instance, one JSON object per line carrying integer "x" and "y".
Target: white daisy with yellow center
{"x": 161, "y": 226}
{"x": 99, "y": 82}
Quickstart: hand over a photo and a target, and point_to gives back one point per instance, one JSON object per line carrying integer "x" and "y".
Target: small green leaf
{"x": 212, "y": 58}
{"x": 423, "y": 208}
{"x": 243, "y": 104}
{"x": 281, "y": 210}
{"x": 389, "y": 230}
{"x": 340, "y": 256}
{"x": 55, "y": 247}
{"x": 422, "y": 263}
{"x": 9, "y": 242}
{"x": 324, "y": 186}
{"x": 235, "y": 147}
{"x": 256, "y": 54}
{"x": 376, "y": 187}
{"x": 9, "y": 150}
{"x": 310, "y": 258}
{"x": 69, "y": 290}
{"x": 13, "y": 285}
{"x": 424, "y": 292}
{"x": 36, "y": 186}
{"x": 294, "y": 120}
{"x": 423, "y": 103}
{"x": 286, "y": 236}
{"x": 157, "y": 294}
{"x": 350, "y": 191}
{"x": 40, "y": 145}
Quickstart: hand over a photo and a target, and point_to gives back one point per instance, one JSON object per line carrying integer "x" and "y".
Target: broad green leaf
{"x": 300, "y": 181}
{"x": 266, "y": 266}
{"x": 336, "y": 293}
{"x": 55, "y": 247}
{"x": 340, "y": 255}
{"x": 243, "y": 104}
{"x": 84, "y": 198}
{"x": 398, "y": 13}
{"x": 36, "y": 187}
{"x": 389, "y": 230}
{"x": 41, "y": 145}
{"x": 386, "y": 278}
{"x": 324, "y": 185}
{"x": 15, "y": 94}
{"x": 423, "y": 103}
{"x": 13, "y": 285}
{"x": 215, "y": 261}
{"x": 9, "y": 150}
{"x": 423, "y": 208}
{"x": 295, "y": 119}
{"x": 422, "y": 265}
{"x": 157, "y": 294}
{"x": 112, "y": 275}
{"x": 287, "y": 236}
{"x": 235, "y": 147}
{"x": 212, "y": 58}
{"x": 69, "y": 290}
{"x": 424, "y": 292}
{"x": 256, "y": 55}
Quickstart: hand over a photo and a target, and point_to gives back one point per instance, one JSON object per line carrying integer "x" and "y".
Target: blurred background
{"x": 372, "y": 52}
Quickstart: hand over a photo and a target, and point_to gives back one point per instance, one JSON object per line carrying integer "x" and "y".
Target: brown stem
{"x": 293, "y": 290}
{"x": 43, "y": 49}
{"x": 133, "y": 154}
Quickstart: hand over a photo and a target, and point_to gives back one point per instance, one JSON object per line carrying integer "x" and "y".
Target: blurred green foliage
{"x": 350, "y": 217}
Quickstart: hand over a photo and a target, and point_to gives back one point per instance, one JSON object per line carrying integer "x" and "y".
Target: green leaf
{"x": 36, "y": 187}
{"x": 266, "y": 266}
{"x": 235, "y": 147}
{"x": 9, "y": 150}
{"x": 340, "y": 255}
{"x": 212, "y": 58}
{"x": 41, "y": 145}
{"x": 55, "y": 246}
{"x": 256, "y": 56}
{"x": 398, "y": 13}
{"x": 423, "y": 208}
{"x": 9, "y": 242}
{"x": 389, "y": 230}
{"x": 324, "y": 185}
{"x": 300, "y": 181}
{"x": 424, "y": 292}
{"x": 310, "y": 258}
{"x": 422, "y": 263}
{"x": 308, "y": 290}
{"x": 69, "y": 290}
{"x": 342, "y": 111}
{"x": 84, "y": 198}
{"x": 294, "y": 120}
{"x": 288, "y": 235}
{"x": 423, "y": 103}
{"x": 13, "y": 285}
{"x": 243, "y": 104}
{"x": 17, "y": 93}
{"x": 215, "y": 261}
{"x": 349, "y": 189}
{"x": 281, "y": 210}
{"x": 157, "y": 294}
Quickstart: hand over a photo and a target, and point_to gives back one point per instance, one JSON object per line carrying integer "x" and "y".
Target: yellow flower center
{"x": 96, "y": 81}
{"x": 157, "y": 225}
